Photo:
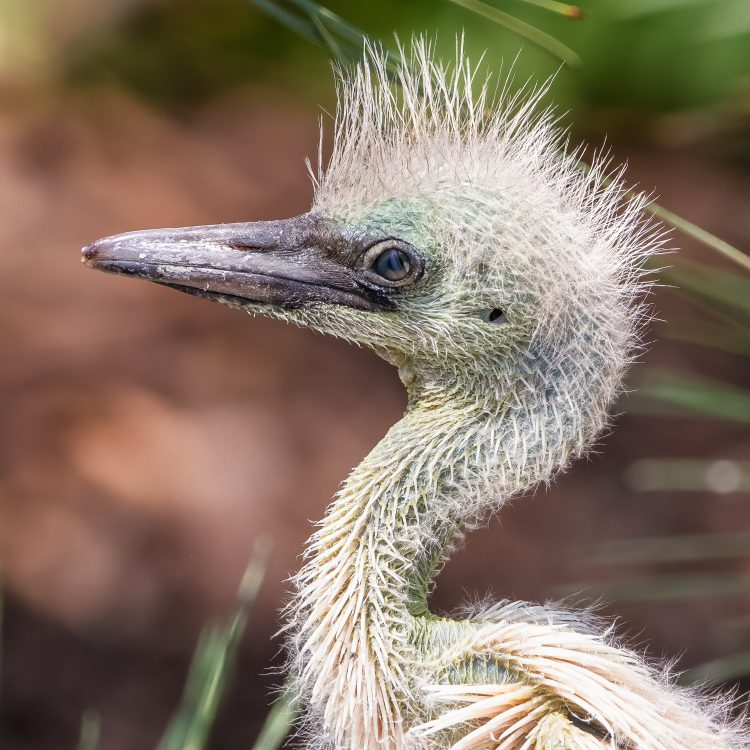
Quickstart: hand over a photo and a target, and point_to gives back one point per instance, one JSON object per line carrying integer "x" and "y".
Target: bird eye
{"x": 392, "y": 263}
{"x": 494, "y": 315}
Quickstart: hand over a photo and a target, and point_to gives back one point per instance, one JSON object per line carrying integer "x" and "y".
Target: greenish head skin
{"x": 442, "y": 323}
{"x": 452, "y": 234}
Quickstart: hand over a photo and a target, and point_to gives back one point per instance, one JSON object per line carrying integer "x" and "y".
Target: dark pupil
{"x": 392, "y": 264}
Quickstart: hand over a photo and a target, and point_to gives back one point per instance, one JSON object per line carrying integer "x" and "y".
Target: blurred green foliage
{"x": 211, "y": 667}
{"x": 277, "y": 725}
{"x": 90, "y": 730}
{"x": 180, "y": 54}
{"x": 640, "y": 60}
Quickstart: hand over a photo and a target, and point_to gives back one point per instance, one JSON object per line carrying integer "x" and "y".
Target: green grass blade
{"x": 555, "y": 6}
{"x": 697, "y": 233}
{"x": 727, "y": 292}
{"x": 279, "y": 721}
{"x": 294, "y": 23}
{"x": 322, "y": 28}
{"x": 210, "y": 667}
{"x": 526, "y": 30}
{"x": 731, "y": 341}
{"x": 660, "y": 390}
{"x": 344, "y": 28}
{"x": 725, "y": 669}
{"x": 353, "y": 37}
{"x": 688, "y": 475}
{"x": 670, "y": 549}
{"x": 2, "y": 615}
{"x": 317, "y": 31}
{"x": 661, "y": 588}
{"x": 90, "y": 730}
{"x": 333, "y": 47}
{"x": 687, "y": 227}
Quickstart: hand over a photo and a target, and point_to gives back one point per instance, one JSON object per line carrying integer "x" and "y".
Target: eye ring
{"x": 392, "y": 263}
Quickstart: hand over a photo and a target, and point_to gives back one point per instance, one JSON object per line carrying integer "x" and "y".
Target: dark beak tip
{"x": 90, "y": 252}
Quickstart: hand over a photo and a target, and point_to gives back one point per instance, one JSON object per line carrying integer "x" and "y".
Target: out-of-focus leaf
{"x": 724, "y": 19}
{"x": 294, "y": 23}
{"x": 722, "y": 338}
{"x": 209, "y": 670}
{"x": 343, "y": 41}
{"x": 526, "y": 30}
{"x": 638, "y": 8}
{"x": 279, "y": 721}
{"x": 90, "y": 730}
{"x": 688, "y": 475}
{"x": 725, "y": 669}
{"x": 691, "y": 230}
{"x": 321, "y": 17}
{"x": 669, "y": 549}
{"x": 564, "y": 9}
{"x": 726, "y": 292}
{"x": 1, "y": 632}
{"x": 731, "y": 19}
{"x": 661, "y": 391}
{"x": 349, "y": 47}
{"x": 347, "y": 30}
{"x": 311, "y": 28}
{"x": 662, "y": 588}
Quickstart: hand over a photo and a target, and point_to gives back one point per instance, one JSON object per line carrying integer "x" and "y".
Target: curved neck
{"x": 369, "y": 566}
{"x": 408, "y": 497}
{"x": 358, "y": 618}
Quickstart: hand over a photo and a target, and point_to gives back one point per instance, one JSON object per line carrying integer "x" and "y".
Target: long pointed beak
{"x": 289, "y": 263}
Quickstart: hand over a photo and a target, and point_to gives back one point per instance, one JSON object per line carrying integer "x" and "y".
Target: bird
{"x": 454, "y": 232}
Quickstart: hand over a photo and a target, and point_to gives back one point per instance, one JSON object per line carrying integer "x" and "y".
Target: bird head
{"x": 450, "y": 232}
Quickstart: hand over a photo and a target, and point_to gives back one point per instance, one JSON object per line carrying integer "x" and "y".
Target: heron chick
{"x": 453, "y": 233}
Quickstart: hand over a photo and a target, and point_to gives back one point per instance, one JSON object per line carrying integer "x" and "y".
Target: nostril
{"x": 90, "y": 252}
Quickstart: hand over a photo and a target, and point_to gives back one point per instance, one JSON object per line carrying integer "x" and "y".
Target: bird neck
{"x": 369, "y": 566}
{"x": 444, "y": 452}
{"x": 398, "y": 511}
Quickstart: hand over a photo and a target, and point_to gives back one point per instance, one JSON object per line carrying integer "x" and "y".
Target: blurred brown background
{"x": 148, "y": 438}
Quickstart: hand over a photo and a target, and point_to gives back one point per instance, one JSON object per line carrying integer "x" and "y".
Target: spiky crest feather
{"x": 483, "y": 182}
